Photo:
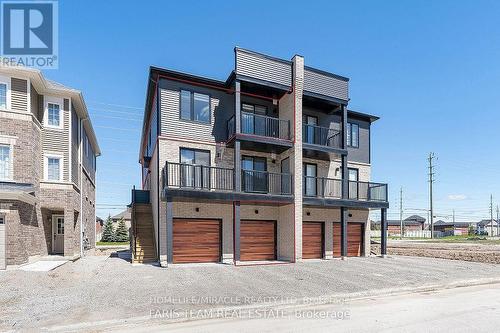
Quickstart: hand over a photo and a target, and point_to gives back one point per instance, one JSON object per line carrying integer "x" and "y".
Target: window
{"x": 2, "y": 219}
{"x": 192, "y": 171}
{"x": 193, "y": 156}
{"x": 254, "y": 176}
{"x": 53, "y": 168}
{"x": 5, "y": 162}
{"x": 195, "y": 106}
{"x": 310, "y": 174}
{"x": 3, "y": 95}
{"x": 54, "y": 115}
{"x": 253, "y": 121}
{"x": 352, "y": 135}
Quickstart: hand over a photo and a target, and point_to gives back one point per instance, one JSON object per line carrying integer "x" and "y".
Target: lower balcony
{"x": 328, "y": 191}
{"x": 200, "y": 181}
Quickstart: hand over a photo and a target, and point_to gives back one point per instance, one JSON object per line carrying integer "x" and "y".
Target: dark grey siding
{"x": 324, "y": 84}
{"x": 264, "y": 68}
{"x": 361, "y": 154}
{"x": 74, "y": 147}
{"x": 88, "y": 156}
{"x": 153, "y": 130}
{"x": 221, "y": 107}
{"x": 19, "y": 94}
{"x": 35, "y": 104}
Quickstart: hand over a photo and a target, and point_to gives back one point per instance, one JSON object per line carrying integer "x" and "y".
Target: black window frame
{"x": 191, "y": 106}
{"x": 350, "y": 131}
{"x": 195, "y": 150}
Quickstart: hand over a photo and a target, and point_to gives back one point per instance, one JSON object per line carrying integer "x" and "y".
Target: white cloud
{"x": 457, "y": 197}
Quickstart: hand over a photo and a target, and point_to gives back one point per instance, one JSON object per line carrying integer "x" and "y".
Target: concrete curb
{"x": 115, "y": 324}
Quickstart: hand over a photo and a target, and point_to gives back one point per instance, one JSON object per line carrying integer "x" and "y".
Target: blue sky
{"x": 429, "y": 69}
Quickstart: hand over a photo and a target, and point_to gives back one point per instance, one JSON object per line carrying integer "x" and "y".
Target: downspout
{"x": 81, "y": 183}
{"x": 158, "y": 119}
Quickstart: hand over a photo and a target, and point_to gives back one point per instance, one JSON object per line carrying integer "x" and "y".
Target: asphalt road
{"x": 467, "y": 309}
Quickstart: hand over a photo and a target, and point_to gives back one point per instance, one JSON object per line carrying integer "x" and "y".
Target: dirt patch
{"x": 467, "y": 252}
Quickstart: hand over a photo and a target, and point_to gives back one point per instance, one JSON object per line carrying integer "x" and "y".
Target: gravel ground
{"x": 100, "y": 288}
{"x": 486, "y": 253}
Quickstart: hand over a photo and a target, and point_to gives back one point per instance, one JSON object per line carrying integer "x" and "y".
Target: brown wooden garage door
{"x": 257, "y": 240}
{"x": 312, "y": 240}
{"x": 354, "y": 239}
{"x": 196, "y": 240}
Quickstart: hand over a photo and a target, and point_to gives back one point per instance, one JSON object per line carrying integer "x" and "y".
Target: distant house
{"x": 453, "y": 228}
{"x": 98, "y": 228}
{"x": 484, "y": 227}
{"x": 126, "y": 215}
{"x": 412, "y": 223}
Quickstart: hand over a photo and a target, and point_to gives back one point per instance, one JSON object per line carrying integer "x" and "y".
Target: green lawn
{"x": 112, "y": 243}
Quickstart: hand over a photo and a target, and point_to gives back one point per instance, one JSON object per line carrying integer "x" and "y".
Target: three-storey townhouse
{"x": 48, "y": 153}
{"x": 267, "y": 166}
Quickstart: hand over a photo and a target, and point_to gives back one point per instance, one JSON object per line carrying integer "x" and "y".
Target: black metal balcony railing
{"x": 259, "y": 125}
{"x": 366, "y": 191}
{"x": 321, "y": 136}
{"x": 332, "y": 188}
{"x": 322, "y": 187}
{"x": 266, "y": 182}
{"x": 199, "y": 177}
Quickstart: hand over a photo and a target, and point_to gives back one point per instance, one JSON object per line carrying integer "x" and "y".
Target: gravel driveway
{"x": 105, "y": 288}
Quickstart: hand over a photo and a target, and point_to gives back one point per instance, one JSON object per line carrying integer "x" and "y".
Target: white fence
{"x": 414, "y": 234}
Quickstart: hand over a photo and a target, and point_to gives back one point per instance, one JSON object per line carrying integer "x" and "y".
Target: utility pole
{"x": 401, "y": 213}
{"x": 431, "y": 180}
{"x": 491, "y": 214}
{"x": 453, "y": 217}
{"x": 498, "y": 225}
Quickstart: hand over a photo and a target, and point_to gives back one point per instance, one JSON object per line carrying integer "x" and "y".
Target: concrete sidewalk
{"x": 108, "y": 291}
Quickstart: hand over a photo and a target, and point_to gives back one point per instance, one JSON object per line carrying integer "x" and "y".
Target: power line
{"x": 117, "y": 105}
{"x": 119, "y": 129}
{"x": 121, "y": 118}
{"x": 94, "y": 110}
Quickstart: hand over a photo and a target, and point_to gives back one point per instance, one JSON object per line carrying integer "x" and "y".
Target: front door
{"x": 254, "y": 174}
{"x": 310, "y": 189}
{"x": 310, "y": 129}
{"x": 353, "y": 183}
{"x": 58, "y": 234}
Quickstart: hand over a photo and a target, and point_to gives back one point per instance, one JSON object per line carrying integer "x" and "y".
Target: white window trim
{"x": 53, "y": 100}
{"x": 46, "y": 167}
{"x": 6, "y": 80}
{"x": 11, "y": 162}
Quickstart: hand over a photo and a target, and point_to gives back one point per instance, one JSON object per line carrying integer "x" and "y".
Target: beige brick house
{"x": 48, "y": 153}
{"x": 267, "y": 166}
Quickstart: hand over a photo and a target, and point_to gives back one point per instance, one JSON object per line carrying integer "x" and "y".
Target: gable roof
{"x": 416, "y": 218}
{"x": 483, "y": 223}
{"x": 126, "y": 215}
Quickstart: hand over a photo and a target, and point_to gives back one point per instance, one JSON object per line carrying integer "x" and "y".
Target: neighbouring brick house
{"x": 412, "y": 223}
{"x": 454, "y": 228}
{"x": 48, "y": 155}
{"x": 268, "y": 165}
{"x": 125, "y": 215}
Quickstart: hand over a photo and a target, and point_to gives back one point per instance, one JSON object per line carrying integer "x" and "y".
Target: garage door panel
{"x": 312, "y": 240}
{"x": 354, "y": 239}
{"x": 257, "y": 240}
{"x": 196, "y": 241}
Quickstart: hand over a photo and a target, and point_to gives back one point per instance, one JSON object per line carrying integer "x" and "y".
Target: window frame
{"x": 46, "y": 167}
{"x": 54, "y": 101}
{"x": 6, "y": 80}
{"x": 2, "y": 219}
{"x": 191, "y": 106}
{"x": 350, "y": 135}
{"x": 194, "y": 151}
{"x": 11, "y": 161}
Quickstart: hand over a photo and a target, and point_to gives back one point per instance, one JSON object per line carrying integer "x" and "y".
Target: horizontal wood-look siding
{"x": 326, "y": 85}
{"x": 196, "y": 240}
{"x": 354, "y": 239}
{"x": 258, "y": 240}
{"x": 263, "y": 68}
{"x": 312, "y": 240}
{"x": 57, "y": 141}
{"x": 19, "y": 94}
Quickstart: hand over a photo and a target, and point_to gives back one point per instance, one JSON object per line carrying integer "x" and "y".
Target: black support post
{"x": 343, "y": 232}
{"x": 383, "y": 231}
{"x": 345, "y": 173}
{"x": 237, "y": 144}
{"x": 170, "y": 230}
{"x": 236, "y": 226}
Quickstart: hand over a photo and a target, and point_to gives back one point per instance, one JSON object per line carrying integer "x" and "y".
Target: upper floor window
{"x": 54, "y": 171}
{"x": 54, "y": 115}
{"x": 195, "y": 106}
{"x": 352, "y": 135}
{"x": 3, "y": 95}
{"x": 5, "y": 162}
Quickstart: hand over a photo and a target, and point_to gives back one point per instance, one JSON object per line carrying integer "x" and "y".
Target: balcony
{"x": 328, "y": 191}
{"x": 189, "y": 180}
{"x": 261, "y": 133}
{"x": 317, "y": 140}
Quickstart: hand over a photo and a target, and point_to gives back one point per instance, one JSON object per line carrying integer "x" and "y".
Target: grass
{"x": 111, "y": 243}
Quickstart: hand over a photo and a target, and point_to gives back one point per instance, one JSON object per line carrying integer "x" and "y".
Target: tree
{"x": 108, "y": 234}
{"x": 121, "y": 234}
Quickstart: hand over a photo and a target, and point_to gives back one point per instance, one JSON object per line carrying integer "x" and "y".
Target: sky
{"x": 429, "y": 69}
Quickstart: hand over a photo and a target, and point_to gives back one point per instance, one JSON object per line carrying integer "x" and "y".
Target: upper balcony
{"x": 317, "y": 140}
{"x": 260, "y": 132}
{"x": 200, "y": 181}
